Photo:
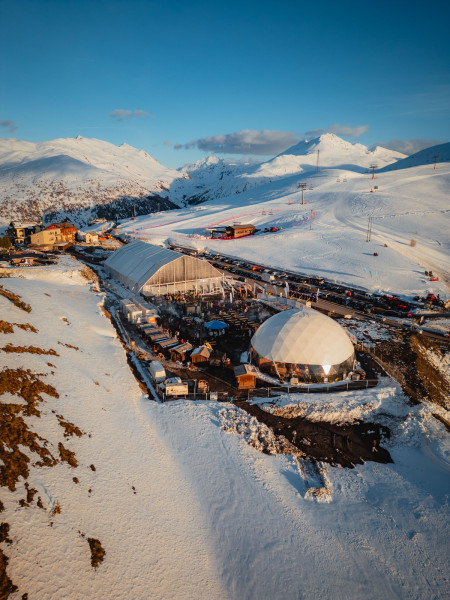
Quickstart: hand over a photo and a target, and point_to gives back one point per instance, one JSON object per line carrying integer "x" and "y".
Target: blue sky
{"x": 185, "y": 79}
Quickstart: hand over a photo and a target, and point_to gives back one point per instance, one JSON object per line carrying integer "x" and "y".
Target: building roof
{"x": 244, "y": 369}
{"x": 241, "y": 225}
{"x": 136, "y": 263}
{"x": 183, "y": 348}
{"x": 202, "y": 351}
{"x": 303, "y": 337}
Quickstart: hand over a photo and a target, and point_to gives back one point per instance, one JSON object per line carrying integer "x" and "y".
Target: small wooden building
{"x": 200, "y": 355}
{"x": 238, "y": 230}
{"x": 231, "y": 232}
{"x": 181, "y": 352}
{"x": 246, "y": 376}
{"x": 166, "y": 344}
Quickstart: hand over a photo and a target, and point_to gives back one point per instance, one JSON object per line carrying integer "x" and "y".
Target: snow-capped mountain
{"x": 330, "y": 151}
{"x": 78, "y": 174}
{"x": 213, "y": 177}
{"x": 439, "y": 153}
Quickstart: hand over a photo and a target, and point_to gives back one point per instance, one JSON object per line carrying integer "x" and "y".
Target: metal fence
{"x": 273, "y": 391}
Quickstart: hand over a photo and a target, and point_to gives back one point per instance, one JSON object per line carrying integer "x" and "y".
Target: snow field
{"x": 410, "y": 204}
{"x": 211, "y": 517}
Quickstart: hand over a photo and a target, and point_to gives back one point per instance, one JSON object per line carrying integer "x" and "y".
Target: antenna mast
{"x": 373, "y": 166}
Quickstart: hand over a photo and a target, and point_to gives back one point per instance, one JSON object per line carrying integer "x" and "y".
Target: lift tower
{"x": 303, "y": 186}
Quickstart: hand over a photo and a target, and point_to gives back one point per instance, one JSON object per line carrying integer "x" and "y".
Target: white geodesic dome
{"x": 303, "y": 337}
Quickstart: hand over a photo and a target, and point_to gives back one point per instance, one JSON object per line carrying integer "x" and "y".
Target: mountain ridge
{"x": 75, "y": 177}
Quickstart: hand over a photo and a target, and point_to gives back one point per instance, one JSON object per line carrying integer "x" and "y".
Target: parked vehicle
{"x": 268, "y": 278}
{"x": 174, "y": 387}
{"x": 157, "y": 371}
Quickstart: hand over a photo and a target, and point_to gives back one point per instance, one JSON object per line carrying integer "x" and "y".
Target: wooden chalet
{"x": 181, "y": 352}
{"x": 246, "y": 376}
{"x": 200, "y": 355}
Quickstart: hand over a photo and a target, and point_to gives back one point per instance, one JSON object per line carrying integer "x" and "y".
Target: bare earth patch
{"x": 97, "y": 552}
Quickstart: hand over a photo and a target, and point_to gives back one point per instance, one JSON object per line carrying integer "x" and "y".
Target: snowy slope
{"x": 183, "y": 506}
{"x": 72, "y": 173}
{"x": 439, "y": 153}
{"x": 409, "y": 204}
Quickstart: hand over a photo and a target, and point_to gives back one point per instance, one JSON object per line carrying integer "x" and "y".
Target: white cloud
{"x": 9, "y": 124}
{"x": 345, "y": 130}
{"x": 247, "y": 141}
{"x": 408, "y": 147}
{"x": 121, "y": 114}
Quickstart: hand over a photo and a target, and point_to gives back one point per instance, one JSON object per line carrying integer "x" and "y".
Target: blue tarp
{"x": 216, "y": 325}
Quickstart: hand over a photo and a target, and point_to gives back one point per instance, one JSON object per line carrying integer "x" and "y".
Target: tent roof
{"x": 138, "y": 261}
{"x": 216, "y": 325}
{"x": 303, "y": 337}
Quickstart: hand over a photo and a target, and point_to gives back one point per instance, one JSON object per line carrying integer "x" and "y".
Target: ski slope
{"x": 409, "y": 204}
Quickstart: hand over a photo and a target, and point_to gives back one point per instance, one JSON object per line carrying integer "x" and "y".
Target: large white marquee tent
{"x": 153, "y": 271}
{"x": 304, "y": 343}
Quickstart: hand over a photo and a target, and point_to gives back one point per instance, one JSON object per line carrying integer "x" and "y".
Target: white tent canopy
{"x": 303, "y": 337}
{"x": 155, "y": 270}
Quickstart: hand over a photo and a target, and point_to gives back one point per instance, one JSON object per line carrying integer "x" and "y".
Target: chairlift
{"x": 338, "y": 180}
{"x": 311, "y": 188}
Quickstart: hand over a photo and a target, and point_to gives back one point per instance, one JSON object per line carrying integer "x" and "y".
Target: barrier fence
{"x": 273, "y": 391}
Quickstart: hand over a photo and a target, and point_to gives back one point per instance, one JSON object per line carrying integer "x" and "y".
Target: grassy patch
{"x": 67, "y": 455}
{"x": 69, "y": 428}
{"x": 15, "y": 299}
{"x": 28, "y": 349}
{"x": 6, "y": 585}
{"x": 6, "y": 327}
{"x": 14, "y": 432}
{"x": 69, "y": 346}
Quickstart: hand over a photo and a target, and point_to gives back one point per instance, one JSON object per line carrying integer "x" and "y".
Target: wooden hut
{"x": 166, "y": 344}
{"x": 246, "y": 376}
{"x": 200, "y": 355}
{"x": 180, "y": 352}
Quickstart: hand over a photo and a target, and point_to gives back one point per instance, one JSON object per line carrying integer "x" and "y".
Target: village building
{"x": 89, "y": 237}
{"x": 20, "y": 233}
{"x": 155, "y": 271}
{"x": 56, "y": 234}
{"x": 67, "y": 231}
{"x": 45, "y": 238}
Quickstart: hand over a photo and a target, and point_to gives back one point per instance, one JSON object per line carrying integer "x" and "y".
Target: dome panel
{"x": 303, "y": 337}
